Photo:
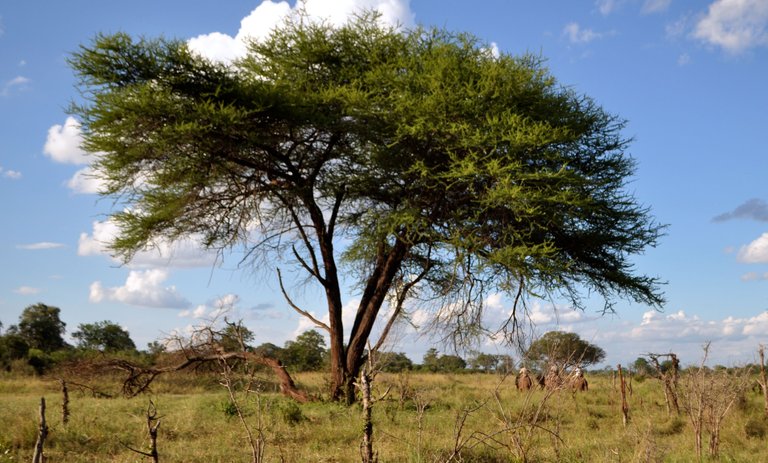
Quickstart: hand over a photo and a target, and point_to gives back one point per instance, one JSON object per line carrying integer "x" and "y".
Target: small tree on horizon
{"x": 104, "y": 336}
{"x": 306, "y": 353}
{"x": 41, "y": 327}
{"x": 563, "y": 350}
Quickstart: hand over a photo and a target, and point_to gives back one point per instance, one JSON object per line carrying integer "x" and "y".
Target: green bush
{"x": 290, "y": 413}
{"x": 38, "y": 360}
{"x": 756, "y": 428}
{"x": 228, "y": 408}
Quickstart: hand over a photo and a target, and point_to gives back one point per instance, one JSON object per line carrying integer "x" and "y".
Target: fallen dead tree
{"x": 206, "y": 349}
{"x": 140, "y": 378}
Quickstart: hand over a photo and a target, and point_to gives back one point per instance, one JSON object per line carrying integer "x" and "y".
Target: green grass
{"x": 423, "y": 418}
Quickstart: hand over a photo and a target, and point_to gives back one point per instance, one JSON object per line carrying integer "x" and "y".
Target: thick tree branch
{"x": 402, "y": 295}
{"x": 314, "y": 270}
{"x": 335, "y": 212}
{"x": 373, "y": 296}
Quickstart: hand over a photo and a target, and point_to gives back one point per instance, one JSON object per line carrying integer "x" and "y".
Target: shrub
{"x": 756, "y": 428}
{"x": 228, "y": 408}
{"x": 291, "y": 413}
{"x": 38, "y": 360}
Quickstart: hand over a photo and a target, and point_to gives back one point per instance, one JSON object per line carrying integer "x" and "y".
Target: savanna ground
{"x": 425, "y": 417}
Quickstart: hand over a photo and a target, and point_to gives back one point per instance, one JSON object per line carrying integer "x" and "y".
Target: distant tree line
{"x": 37, "y": 342}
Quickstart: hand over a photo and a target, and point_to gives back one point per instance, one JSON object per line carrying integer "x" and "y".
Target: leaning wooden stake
{"x": 42, "y": 433}
{"x": 64, "y": 402}
{"x": 624, "y": 405}
{"x": 153, "y": 423}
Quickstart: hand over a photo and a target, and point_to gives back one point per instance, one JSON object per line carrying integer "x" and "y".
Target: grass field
{"x": 423, "y": 418}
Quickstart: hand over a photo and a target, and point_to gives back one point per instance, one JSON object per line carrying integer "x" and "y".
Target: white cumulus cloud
{"x": 142, "y": 288}
{"x": 755, "y": 252}
{"x": 734, "y": 25}
{"x": 264, "y": 18}
{"x": 63, "y": 143}
{"x": 86, "y": 181}
{"x": 679, "y": 327}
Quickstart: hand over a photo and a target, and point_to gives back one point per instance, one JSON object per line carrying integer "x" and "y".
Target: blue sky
{"x": 688, "y": 76}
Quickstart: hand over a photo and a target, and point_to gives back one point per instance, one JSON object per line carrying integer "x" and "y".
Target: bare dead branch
{"x": 297, "y": 308}
{"x": 312, "y": 271}
{"x": 153, "y": 424}
{"x": 513, "y": 316}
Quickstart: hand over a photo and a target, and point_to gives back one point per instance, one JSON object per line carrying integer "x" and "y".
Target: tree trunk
{"x": 329, "y": 281}
{"x": 375, "y": 293}
{"x": 339, "y": 373}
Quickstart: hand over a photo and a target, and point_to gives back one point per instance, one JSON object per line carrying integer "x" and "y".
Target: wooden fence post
{"x": 624, "y": 405}
{"x": 42, "y": 433}
{"x": 64, "y": 401}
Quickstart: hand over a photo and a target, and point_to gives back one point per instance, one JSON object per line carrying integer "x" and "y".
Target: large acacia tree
{"x": 445, "y": 171}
